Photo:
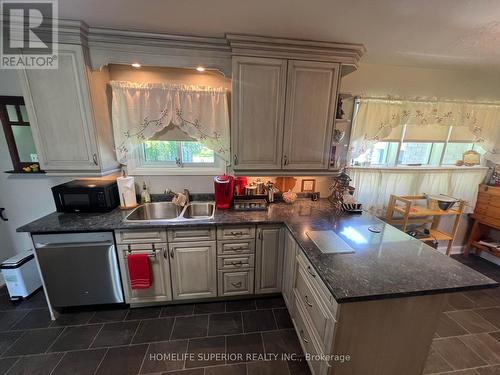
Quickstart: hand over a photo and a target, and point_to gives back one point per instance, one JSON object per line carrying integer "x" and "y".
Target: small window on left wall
{"x": 17, "y": 130}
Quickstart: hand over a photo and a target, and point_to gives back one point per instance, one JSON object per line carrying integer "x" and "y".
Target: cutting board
{"x": 284, "y": 184}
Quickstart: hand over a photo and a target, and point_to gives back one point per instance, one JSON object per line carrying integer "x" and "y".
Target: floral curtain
{"x": 375, "y": 120}
{"x": 139, "y": 111}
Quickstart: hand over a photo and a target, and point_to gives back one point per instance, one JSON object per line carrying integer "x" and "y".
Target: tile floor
{"x": 468, "y": 336}
{"x": 133, "y": 341}
{"x": 197, "y": 336}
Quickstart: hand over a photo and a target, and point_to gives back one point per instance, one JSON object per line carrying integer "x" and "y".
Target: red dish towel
{"x": 139, "y": 271}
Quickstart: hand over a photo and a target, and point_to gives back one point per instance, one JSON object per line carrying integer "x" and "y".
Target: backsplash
{"x": 204, "y": 184}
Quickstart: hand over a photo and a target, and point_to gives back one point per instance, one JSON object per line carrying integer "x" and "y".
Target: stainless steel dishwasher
{"x": 79, "y": 268}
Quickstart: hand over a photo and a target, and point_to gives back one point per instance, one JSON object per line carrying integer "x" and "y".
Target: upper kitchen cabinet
{"x": 69, "y": 115}
{"x": 310, "y": 112}
{"x": 258, "y": 103}
{"x": 283, "y": 102}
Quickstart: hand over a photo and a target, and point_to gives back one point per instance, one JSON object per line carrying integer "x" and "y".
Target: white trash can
{"x": 21, "y": 275}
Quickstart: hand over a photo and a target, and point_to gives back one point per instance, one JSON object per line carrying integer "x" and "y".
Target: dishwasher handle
{"x": 51, "y": 245}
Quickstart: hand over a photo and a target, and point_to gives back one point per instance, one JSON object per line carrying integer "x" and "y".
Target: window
{"x": 436, "y": 147}
{"x": 168, "y": 156}
{"x": 177, "y": 152}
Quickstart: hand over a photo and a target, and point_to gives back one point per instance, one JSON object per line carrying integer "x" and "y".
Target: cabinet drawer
{"x": 140, "y": 236}
{"x": 234, "y": 247}
{"x": 307, "y": 339}
{"x": 318, "y": 285}
{"x": 191, "y": 234}
{"x": 315, "y": 308}
{"x": 236, "y": 232}
{"x": 235, "y": 262}
{"x": 233, "y": 282}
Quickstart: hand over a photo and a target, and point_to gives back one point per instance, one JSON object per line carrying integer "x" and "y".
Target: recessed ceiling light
{"x": 200, "y": 68}
{"x": 136, "y": 65}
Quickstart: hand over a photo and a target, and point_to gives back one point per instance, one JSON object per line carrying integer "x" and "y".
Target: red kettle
{"x": 223, "y": 186}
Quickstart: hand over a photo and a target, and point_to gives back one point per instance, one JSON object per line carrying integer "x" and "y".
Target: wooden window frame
{"x": 17, "y": 101}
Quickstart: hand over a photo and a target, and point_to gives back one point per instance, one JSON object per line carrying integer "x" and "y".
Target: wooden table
{"x": 486, "y": 217}
{"x": 417, "y": 214}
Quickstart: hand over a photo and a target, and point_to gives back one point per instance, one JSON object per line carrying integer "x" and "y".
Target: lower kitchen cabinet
{"x": 236, "y": 282}
{"x": 160, "y": 290}
{"x": 289, "y": 266}
{"x": 269, "y": 259}
{"x": 194, "y": 270}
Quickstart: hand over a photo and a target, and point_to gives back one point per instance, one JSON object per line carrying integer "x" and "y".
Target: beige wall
{"x": 382, "y": 80}
{"x": 148, "y": 74}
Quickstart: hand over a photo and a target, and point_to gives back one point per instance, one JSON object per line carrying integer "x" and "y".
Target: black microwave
{"x": 86, "y": 196}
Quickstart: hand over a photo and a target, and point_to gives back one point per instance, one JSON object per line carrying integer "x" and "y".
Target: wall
{"x": 383, "y": 80}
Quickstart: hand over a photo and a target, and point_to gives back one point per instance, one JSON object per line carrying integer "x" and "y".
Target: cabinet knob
{"x": 285, "y": 160}
{"x": 235, "y": 157}
{"x": 171, "y": 253}
{"x": 94, "y": 158}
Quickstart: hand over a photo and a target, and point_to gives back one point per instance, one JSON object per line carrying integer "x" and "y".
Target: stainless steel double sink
{"x": 158, "y": 212}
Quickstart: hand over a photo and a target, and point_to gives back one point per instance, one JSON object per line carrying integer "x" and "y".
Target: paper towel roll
{"x": 126, "y": 189}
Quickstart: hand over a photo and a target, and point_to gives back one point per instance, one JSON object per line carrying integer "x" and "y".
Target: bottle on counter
{"x": 145, "y": 197}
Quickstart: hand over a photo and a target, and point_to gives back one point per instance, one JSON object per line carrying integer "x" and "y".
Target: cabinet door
{"x": 193, "y": 268}
{"x": 258, "y": 102}
{"x": 269, "y": 259}
{"x": 310, "y": 112}
{"x": 60, "y": 112}
{"x": 160, "y": 290}
{"x": 289, "y": 265}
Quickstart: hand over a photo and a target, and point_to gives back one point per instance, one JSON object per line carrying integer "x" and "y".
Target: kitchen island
{"x": 380, "y": 304}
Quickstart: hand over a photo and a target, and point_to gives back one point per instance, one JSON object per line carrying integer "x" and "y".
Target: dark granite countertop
{"x": 388, "y": 264}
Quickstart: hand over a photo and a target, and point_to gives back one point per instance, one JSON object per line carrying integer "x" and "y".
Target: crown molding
{"x": 252, "y": 45}
{"x": 112, "y": 46}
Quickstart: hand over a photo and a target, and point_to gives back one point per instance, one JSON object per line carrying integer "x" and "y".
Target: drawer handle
{"x": 307, "y": 301}
{"x": 310, "y": 271}
{"x": 237, "y": 264}
{"x": 302, "y": 337}
{"x": 236, "y": 233}
{"x": 238, "y": 248}
{"x": 237, "y": 285}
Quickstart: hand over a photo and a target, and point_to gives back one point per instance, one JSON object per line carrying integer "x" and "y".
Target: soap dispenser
{"x": 145, "y": 197}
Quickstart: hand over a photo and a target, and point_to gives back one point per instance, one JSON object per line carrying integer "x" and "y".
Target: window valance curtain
{"x": 139, "y": 111}
{"x": 377, "y": 120}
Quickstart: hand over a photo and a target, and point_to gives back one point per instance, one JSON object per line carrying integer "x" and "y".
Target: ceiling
{"x": 429, "y": 33}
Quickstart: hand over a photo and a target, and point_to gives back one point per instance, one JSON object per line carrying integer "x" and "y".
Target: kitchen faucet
{"x": 186, "y": 193}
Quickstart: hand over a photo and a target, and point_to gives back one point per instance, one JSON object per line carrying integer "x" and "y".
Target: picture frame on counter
{"x": 308, "y": 185}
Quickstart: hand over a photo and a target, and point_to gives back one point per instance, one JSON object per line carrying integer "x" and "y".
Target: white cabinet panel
{"x": 160, "y": 289}
{"x": 194, "y": 269}
{"x": 269, "y": 259}
{"x": 310, "y": 112}
{"x": 258, "y": 102}
{"x": 68, "y": 136}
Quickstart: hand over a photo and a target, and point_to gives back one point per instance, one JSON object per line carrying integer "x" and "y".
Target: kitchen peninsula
{"x": 379, "y": 304}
